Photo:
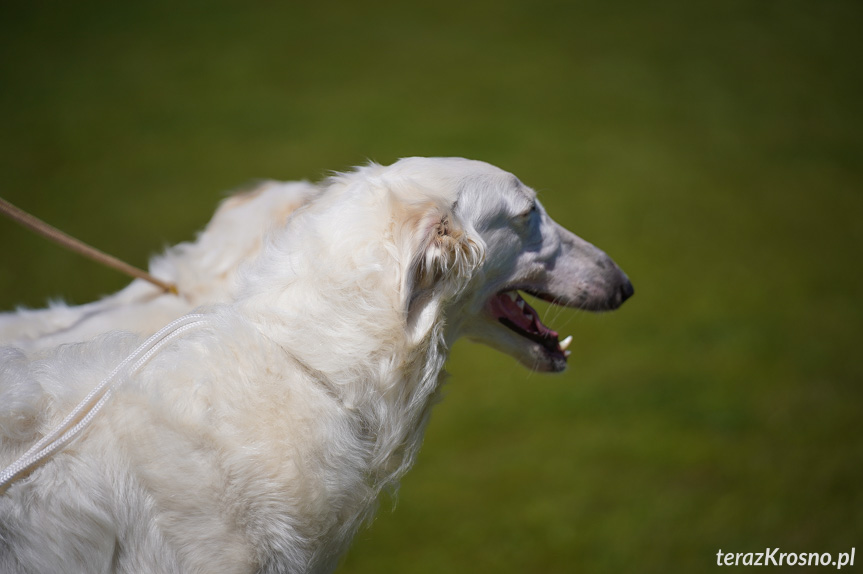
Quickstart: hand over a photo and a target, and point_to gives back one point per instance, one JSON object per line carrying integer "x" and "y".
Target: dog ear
{"x": 445, "y": 256}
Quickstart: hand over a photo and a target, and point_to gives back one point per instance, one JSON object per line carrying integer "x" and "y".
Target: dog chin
{"x": 537, "y": 358}
{"x": 529, "y": 354}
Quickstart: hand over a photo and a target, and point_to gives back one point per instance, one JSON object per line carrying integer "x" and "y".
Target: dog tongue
{"x": 509, "y": 305}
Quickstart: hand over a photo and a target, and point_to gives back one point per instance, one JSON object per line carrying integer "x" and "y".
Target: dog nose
{"x": 626, "y": 290}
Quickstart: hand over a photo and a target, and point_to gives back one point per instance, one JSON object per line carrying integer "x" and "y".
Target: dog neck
{"x": 388, "y": 387}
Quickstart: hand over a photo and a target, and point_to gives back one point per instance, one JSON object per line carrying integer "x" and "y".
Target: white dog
{"x": 204, "y": 272}
{"x": 259, "y": 439}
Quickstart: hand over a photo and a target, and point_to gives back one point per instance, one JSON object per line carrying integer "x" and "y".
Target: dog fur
{"x": 260, "y": 441}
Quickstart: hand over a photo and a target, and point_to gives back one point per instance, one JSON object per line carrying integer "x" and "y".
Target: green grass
{"x": 712, "y": 148}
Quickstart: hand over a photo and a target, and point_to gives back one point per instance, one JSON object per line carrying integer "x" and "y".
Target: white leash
{"x": 87, "y": 409}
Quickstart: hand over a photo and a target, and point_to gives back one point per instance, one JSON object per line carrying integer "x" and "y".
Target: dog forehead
{"x": 466, "y": 182}
{"x": 503, "y": 193}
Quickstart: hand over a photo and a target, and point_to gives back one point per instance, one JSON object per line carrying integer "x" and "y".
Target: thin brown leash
{"x": 69, "y": 242}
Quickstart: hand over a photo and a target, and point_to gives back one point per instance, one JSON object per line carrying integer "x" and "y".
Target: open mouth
{"x": 513, "y": 312}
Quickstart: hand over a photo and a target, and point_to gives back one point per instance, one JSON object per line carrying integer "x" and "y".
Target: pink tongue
{"x": 528, "y": 319}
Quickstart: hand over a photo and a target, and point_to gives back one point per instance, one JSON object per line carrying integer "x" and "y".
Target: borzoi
{"x": 259, "y": 433}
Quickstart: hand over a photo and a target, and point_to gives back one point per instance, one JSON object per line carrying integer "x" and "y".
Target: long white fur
{"x": 204, "y": 270}
{"x": 261, "y": 441}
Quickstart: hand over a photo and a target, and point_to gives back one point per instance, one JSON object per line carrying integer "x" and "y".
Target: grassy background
{"x": 712, "y": 148}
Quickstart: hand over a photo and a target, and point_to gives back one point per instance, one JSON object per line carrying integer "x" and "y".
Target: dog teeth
{"x": 512, "y": 295}
{"x": 567, "y": 353}
{"x": 565, "y": 343}
{"x": 520, "y": 304}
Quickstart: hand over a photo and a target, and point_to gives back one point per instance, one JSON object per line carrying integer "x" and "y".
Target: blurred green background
{"x": 712, "y": 148}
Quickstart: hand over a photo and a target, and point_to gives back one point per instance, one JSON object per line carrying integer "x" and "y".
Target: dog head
{"x": 479, "y": 237}
{"x": 433, "y": 247}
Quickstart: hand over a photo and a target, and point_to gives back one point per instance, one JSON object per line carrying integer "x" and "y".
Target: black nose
{"x": 626, "y": 290}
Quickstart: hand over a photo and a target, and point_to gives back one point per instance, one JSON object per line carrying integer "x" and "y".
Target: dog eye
{"x": 529, "y": 211}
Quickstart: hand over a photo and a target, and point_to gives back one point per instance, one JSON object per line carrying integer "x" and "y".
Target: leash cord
{"x": 86, "y": 410}
{"x": 45, "y": 230}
